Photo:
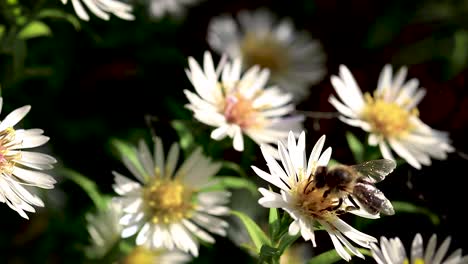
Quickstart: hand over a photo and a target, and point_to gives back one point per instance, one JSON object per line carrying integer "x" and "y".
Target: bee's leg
{"x": 355, "y": 205}
{"x": 351, "y": 199}
{"x": 335, "y": 208}
{"x": 338, "y": 205}
{"x": 307, "y": 186}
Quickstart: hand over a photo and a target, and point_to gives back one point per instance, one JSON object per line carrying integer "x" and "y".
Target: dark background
{"x": 99, "y": 83}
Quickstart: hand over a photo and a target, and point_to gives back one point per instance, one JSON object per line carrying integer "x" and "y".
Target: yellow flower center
{"x": 239, "y": 110}
{"x": 7, "y": 138}
{"x": 140, "y": 255}
{"x": 418, "y": 261}
{"x": 168, "y": 201}
{"x": 265, "y": 52}
{"x": 388, "y": 119}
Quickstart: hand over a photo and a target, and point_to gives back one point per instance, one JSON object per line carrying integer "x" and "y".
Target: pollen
{"x": 239, "y": 110}
{"x": 7, "y": 141}
{"x": 388, "y": 119}
{"x": 265, "y": 52}
{"x": 418, "y": 261}
{"x": 316, "y": 202}
{"x": 168, "y": 201}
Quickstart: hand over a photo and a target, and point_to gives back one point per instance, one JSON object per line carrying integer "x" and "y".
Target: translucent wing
{"x": 375, "y": 170}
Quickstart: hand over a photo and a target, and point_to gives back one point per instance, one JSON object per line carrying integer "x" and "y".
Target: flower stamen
{"x": 7, "y": 138}
{"x": 239, "y": 110}
{"x": 265, "y": 52}
{"x": 388, "y": 119}
{"x": 168, "y": 201}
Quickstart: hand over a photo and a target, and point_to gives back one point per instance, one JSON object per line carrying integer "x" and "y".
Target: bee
{"x": 357, "y": 181}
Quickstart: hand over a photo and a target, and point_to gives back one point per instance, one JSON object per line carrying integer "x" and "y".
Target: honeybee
{"x": 357, "y": 181}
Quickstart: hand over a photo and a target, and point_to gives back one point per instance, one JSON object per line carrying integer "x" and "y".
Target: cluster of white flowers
{"x": 266, "y": 67}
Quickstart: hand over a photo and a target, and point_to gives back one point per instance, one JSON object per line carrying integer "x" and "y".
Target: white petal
{"x": 238, "y": 139}
{"x": 404, "y": 153}
{"x": 294, "y": 228}
{"x": 315, "y": 155}
{"x": 143, "y": 235}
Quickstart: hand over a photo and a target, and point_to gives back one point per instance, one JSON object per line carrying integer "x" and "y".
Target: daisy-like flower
{"x": 392, "y": 251}
{"x": 102, "y": 9}
{"x": 104, "y": 229}
{"x": 295, "y": 60}
{"x": 239, "y": 104}
{"x": 159, "y": 8}
{"x": 19, "y": 167}
{"x": 309, "y": 204}
{"x": 390, "y": 116}
{"x": 167, "y": 207}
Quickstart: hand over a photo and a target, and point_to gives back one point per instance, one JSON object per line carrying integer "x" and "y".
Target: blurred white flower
{"x": 142, "y": 255}
{"x": 393, "y": 252}
{"x": 390, "y": 116}
{"x": 238, "y": 104}
{"x": 104, "y": 229}
{"x": 295, "y": 60}
{"x": 159, "y": 8}
{"x": 169, "y": 208}
{"x": 307, "y": 203}
{"x": 102, "y": 9}
{"x": 20, "y": 168}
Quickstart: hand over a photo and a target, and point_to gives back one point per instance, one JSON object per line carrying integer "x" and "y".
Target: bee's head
{"x": 338, "y": 177}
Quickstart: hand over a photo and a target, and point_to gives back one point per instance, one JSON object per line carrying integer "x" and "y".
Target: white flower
{"x": 295, "y": 60}
{"x": 159, "y": 8}
{"x": 19, "y": 167}
{"x": 237, "y": 105}
{"x": 102, "y": 9}
{"x": 307, "y": 203}
{"x": 393, "y": 252}
{"x": 390, "y": 116}
{"x": 169, "y": 208}
{"x": 104, "y": 229}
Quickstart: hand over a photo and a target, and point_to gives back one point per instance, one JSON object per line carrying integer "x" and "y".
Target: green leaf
{"x": 87, "y": 185}
{"x": 269, "y": 255}
{"x": 186, "y": 139}
{"x": 331, "y": 256}
{"x": 459, "y": 56}
{"x": 325, "y": 258}
{"x": 405, "y": 207}
{"x": 2, "y": 31}
{"x": 224, "y": 182}
{"x": 259, "y": 238}
{"x": 128, "y": 151}
{"x": 34, "y": 29}
{"x": 60, "y": 14}
{"x": 273, "y": 222}
{"x": 357, "y": 148}
{"x": 286, "y": 241}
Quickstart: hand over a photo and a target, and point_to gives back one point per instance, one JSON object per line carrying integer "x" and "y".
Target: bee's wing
{"x": 375, "y": 170}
